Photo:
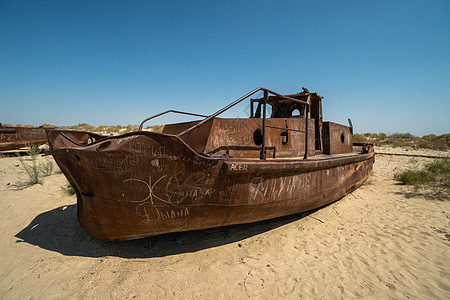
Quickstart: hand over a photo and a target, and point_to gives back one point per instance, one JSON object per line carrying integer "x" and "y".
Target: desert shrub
{"x": 82, "y": 127}
{"x": 46, "y": 167}
{"x": 431, "y": 141}
{"x": 131, "y": 128}
{"x": 411, "y": 177}
{"x": 371, "y": 135}
{"x": 31, "y": 169}
{"x": 435, "y": 175}
{"x": 101, "y": 128}
{"x": 68, "y": 188}
{"x": 156, "y": 128}
{"x": 401, "y": 143}
{"x": 33, "y": 150}
{"x": 375, "y": 138}
{"x": 34, "y": 170}
{"x": 359, "y": 138}
{"x": 401, "y": 136}
{"x": 399, "y": 140}
{"x": 113, "y": 129}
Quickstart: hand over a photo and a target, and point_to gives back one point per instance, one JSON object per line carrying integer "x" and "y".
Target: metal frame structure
{"x": 264, "y": 126}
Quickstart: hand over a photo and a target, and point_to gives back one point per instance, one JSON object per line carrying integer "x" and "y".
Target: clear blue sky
{"x": 384, "y": 64}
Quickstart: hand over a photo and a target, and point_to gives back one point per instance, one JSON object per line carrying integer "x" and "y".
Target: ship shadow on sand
{"x": 58, "y": 230}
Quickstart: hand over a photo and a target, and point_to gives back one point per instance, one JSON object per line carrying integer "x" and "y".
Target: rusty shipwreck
{"x": 212, "y": 172}
{"x": 13, "y": 137}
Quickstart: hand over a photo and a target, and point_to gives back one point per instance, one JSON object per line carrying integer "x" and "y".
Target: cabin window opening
{"x": 342, "y": 138}
{"x": 268, "y": 111}
{"x": 259, "y": 111}
{"x": 284, "y": 137}
{"x": 295, "y": 113}
{"x": 257, "y": 137}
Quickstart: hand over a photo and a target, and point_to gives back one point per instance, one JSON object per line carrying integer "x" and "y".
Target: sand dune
{"x": 383, "y": 241}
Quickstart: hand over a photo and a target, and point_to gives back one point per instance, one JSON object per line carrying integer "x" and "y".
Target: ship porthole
{"x": 103, "y": 145}
{"x": 342, "y": 138}
{"x": 284, "y": 137}
{"x": 257, "y": 137}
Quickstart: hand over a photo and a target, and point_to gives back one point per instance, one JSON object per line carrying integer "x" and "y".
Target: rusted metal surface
{"x": 337, "y": 138}
{"x": 207, "y": 173}
{"x": 236, "y": 137}
{"x": 18, "y": 137}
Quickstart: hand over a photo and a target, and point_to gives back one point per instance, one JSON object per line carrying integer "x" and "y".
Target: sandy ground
{"x": 383, "y": 241}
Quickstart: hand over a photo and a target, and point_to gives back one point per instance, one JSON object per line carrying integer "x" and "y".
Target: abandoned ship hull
{"x": 17, "y": 137}
{"x": 142, "y": 184}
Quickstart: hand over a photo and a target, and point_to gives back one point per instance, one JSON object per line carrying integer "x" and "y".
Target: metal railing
{"x": 264, "y": 126}
{"x": 169, "y": 111}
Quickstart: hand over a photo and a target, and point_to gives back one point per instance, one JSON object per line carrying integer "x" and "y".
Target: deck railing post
{"x": 306, "y": 127}
{"x": 263, "y": 145}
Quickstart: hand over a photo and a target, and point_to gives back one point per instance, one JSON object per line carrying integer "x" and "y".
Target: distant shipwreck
{"x": 17, "y": 137}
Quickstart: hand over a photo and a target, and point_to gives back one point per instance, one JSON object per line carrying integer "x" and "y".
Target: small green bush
{"x": 435, "y": 175}
{"x": 411, "y": 177}
{"x": 68, "y": 188}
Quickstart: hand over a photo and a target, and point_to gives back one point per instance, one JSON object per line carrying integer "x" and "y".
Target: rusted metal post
{"x": 306, "y": 126}
{"x": 263, "y": 145}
